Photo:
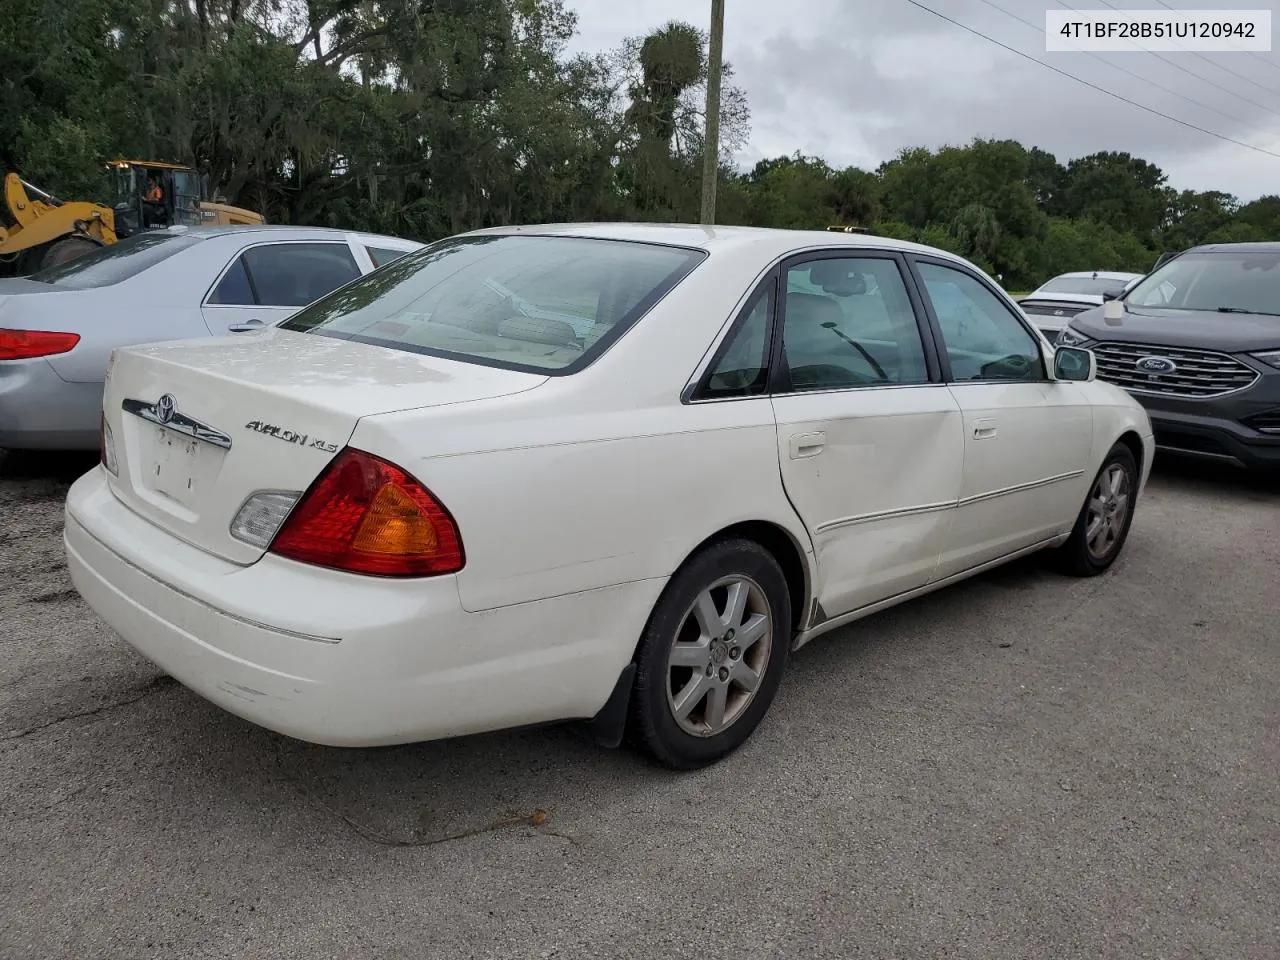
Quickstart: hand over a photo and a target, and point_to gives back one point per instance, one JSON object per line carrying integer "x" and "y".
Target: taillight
{"x": 365, "y": 515}
{"x": 107, "y": 446}
{"x": 26, "y": 344}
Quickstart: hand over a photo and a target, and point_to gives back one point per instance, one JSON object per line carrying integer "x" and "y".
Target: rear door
{"x": 1026, "y": 437}
{"x": 870, "y": 440}
{"x": 268, "y": 282}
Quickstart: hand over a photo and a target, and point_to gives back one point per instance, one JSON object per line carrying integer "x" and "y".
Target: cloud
{"x": 855, "y": 81}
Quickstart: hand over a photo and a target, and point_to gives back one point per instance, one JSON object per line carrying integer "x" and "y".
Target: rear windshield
{"x": 542, "y": 304}
{"x": 1229, "y": 281}
{"x": 116, "y": 262}
{"x": 1082, "y": 285}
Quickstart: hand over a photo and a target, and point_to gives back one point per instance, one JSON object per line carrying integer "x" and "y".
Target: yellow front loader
{"x": 42, "y": 230}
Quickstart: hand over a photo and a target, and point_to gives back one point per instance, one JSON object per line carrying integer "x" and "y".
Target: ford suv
{"x": 1197, "y": 342}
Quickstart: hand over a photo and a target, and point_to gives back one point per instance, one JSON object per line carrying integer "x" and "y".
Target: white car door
{"x": 870, "y": 440}
{"x": 268, "y": 282}
{"x": 1027, "y": 438}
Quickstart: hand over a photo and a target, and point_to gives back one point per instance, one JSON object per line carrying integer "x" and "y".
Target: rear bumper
{"x": 342, "y": 660}
{"x": 41, "y": 411}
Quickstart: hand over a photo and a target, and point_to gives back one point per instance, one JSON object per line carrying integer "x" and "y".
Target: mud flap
{"x": 608, "y": 727}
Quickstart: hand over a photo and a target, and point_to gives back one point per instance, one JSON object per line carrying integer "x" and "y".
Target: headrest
{"x": 810, "y": 309}
{"x": 838, "y": 277}
{"x": 557, "y": 333}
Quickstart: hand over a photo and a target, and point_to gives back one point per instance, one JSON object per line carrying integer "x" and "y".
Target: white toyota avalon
{"x": 605, "y": 472}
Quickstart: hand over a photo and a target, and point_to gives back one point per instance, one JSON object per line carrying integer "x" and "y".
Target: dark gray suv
{"x": 1197, "y": 342}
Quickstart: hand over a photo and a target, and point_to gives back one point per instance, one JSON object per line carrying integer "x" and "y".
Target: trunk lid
{"x": 199, "y": 426}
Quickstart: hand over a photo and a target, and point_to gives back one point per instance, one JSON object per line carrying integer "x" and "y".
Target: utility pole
{"x": 711, "y": 142}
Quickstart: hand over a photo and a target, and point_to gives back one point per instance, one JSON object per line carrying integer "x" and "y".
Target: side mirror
{"x": 1112, "y": 295}
{"x": 1113, "y": 311}
{"x": 1073, "y": 363}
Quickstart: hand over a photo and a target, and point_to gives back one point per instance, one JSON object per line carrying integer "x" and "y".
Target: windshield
{"x": 543, "y": 304}
{"x": 116, "y": 262}
{"x": 1230, "y": 281}
{"x": 1086, "y": 285}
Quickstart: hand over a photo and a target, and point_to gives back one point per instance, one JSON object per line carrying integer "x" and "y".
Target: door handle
{"x": 984, "y": 429}
{"x": 807, "y": 445}
{"x": 245, "y": 327}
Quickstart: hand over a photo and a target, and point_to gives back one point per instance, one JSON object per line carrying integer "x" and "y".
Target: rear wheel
{"x": 1103, "y": 524}
{"x": 66, "y": 249}
{"x": 712, "y": 656}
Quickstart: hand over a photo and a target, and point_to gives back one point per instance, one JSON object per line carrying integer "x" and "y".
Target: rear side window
{"x": 742, "y": 369}
{"x": 234, "y": 288}
{"x": 116, "y": 262}
{"x": 542, "y": 304}
{"x": 295, "y": 274}
{"x": 383, "y": 255}
{"x": 848, "y": 322}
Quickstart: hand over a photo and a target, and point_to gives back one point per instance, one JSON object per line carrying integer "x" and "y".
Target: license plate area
{"x": 181, "y": 467}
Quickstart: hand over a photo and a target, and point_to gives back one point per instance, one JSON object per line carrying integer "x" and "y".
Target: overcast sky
{"x": 855, "y": 81}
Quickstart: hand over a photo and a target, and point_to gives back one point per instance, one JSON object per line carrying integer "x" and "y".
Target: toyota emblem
{"x": 165, "y": 407}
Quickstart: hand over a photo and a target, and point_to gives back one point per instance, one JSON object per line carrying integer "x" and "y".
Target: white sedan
{"x": 607, "y": 472}
{"x": 1052, "y": 304}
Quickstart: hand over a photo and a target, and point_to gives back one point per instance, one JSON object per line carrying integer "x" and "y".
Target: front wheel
{"x": 1103, "y": 524}
{"x": 712, "y": 655}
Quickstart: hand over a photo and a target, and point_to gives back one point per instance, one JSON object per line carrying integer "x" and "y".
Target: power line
{"x": 1176, "y": 65}
{"x": 1253, "y": 53}
{"x": 1039, "y": 28}
{"x": 1094, "y": 86}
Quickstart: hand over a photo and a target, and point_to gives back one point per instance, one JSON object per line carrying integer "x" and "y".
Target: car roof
{"x": 279, "y": 230}
{"x": 768, "y": 240}
{"x": 1260, "y": 246}
{"x": 1091, "y": 274}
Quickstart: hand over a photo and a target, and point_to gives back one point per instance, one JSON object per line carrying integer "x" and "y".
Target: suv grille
{"x": 1198, "y": 374}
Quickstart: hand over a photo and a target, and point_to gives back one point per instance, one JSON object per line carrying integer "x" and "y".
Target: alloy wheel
{"x": 719, "y": 656}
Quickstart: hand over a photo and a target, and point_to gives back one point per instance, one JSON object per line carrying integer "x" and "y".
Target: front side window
{"x": 116, "y": 262}
{"x": 295, "y": 274}
{"x": 544, "y": 304}
{"x": 1229, "y": 282}
{"x": 848, "y": 322}
{"x": 982, "y": 338}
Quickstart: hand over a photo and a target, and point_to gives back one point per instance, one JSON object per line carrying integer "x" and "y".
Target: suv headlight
{"x": 1070, "y": 338}
{"x": 1269, "y": 357}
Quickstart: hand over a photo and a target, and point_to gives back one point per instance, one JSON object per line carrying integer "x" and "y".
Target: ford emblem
{"x": 165, "y": 407}
{"x": 1156, "y": 365}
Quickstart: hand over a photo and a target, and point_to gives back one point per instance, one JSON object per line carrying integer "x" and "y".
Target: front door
{"x": 870, "y": 441}
{"x": 1025, "y": 435}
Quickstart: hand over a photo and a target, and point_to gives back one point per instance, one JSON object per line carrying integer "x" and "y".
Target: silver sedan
{"x": 59, "y": 326}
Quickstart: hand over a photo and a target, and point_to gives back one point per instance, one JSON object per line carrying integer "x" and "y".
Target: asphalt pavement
{"x": 1022, "y": 766}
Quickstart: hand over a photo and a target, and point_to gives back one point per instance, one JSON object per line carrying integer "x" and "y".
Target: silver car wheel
{"x": 719, "y": 655}
{"x": 1108, "y": 511}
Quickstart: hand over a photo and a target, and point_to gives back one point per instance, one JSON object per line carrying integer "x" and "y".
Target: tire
{"x": 1083, "y": 556}
{"x": 66, "y": 249}
{"x": 692, "y": 737}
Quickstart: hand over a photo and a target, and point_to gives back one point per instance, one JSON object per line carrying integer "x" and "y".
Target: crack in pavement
{"x": 158, "y": 682}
